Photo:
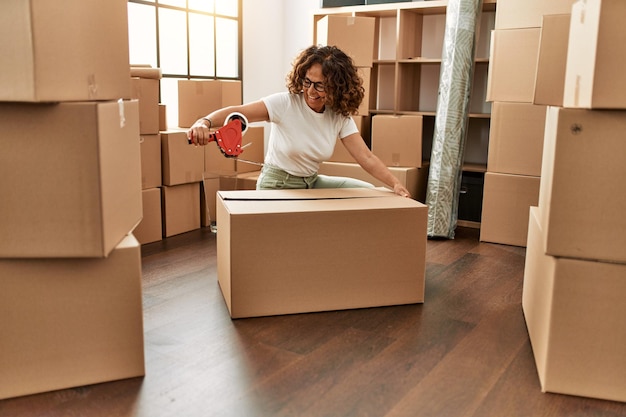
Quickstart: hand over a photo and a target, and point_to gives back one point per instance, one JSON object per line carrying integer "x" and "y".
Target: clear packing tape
{"x": 455, "y": 82}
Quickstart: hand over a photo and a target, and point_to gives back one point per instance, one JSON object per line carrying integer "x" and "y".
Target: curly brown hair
{"x": 342, "y": 82}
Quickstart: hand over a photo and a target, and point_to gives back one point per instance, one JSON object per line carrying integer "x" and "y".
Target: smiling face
{"x": 315, "y": 99}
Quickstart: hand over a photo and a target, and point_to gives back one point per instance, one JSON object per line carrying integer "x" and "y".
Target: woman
{"x": 324, "y": 91}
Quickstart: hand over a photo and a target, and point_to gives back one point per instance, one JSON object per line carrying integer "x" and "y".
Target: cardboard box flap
{"x": 305, "y": 194}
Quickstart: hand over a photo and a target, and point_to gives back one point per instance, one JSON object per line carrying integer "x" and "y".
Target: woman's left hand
{"x": 401, "y": 190}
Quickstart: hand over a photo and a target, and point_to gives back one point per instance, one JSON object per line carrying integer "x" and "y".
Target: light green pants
{"x": 272, "y": 178}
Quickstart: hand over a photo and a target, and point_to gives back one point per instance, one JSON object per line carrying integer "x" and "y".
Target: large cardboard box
{"x": 313, "y": 231}
{"x": 182, "y": 163}
{"x": 506, "y": 201}
{"x": 66, "y": 50}
{"x": 70, "y": 322}
{"x": 596, "y": 56}
{"x": 366, "y": 75}
{"x": 513, "y": 65}
{"x": 583, "y": 193}
{"x": 518, "y": 14}
{"x": 70, "y": 177}
{"x": 354, "y": 35}
{"x": 397, "y": 140}
{"x": 151, "y": 175}
{"x": 180, "y": 207}
{"x": 576, "y": 319}
{"x": 552, "y": 60}
{"x": 197, "y": 98}
{"x": 150, "y": 229}
{"x": 414, "y": 179}
{"x": 516, "y": 138}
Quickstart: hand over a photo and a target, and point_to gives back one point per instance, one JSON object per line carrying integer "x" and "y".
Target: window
{"x": 186, "y": 39}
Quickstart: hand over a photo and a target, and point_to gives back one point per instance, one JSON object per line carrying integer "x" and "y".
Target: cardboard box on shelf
{"x": 73, "y": 189}
{"x": 67, "y": 50}
{"x": 516, "y": 138}
{"x": 180, "y": 206}
{"x": 575, "y": 315}
{"x": 197, "y": 98}
{"x": 151, "y": 176}
{"x": 182, "y": 163}
{"x": 341, "y": 154}
{"x": 366, "y": 75}
{"x": 513, "y": 65}
{"x": 550, "y": 78}
{"x": 397, "y": 140}
{"x": 414, "y": 179}
{"x": 583, "y": 195}
{"x": 594, "y": 75}
{"x": 70, "y": 322}
{"x": 150, "y": 229}
{"x": 312, "y": 229}
{"x": 354, "y": 35}
{"x": 518, "y": 14}
{"x": 506, "y": 201}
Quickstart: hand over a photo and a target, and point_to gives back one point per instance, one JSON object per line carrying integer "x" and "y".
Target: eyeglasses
{"x": 318, "y": 86}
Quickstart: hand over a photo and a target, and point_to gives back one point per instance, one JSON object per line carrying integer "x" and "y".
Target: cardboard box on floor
{"x": 339, "y": 249}
{"x": 576, "y": 319}
{"x": 70, "y": 322}
{"x": 197, "y": 98}
{"x": 71, "y": 182}
{"x": 150, "y": 229}
{"x": 414, "y": 179}
{"x": 397, "y": 140}
{"x": 594, "y": 74}
{"x": 506, "y": 201}
{"x": 182, "y": 163}
{"x": 513, "y": 65}
{"x": 583, "y": 194}
{"x": 253, "y": 143}
{"x": 552, "y": 60}
{"x": 66, "y": 50}
{"x": 354, "y": 35}
{"x": 180, "y": 208}
{"x": 516, "y": 138}
{"x": 518, "y": 14}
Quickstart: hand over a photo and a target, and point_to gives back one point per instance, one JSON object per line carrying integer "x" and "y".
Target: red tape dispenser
{"x": 229, "y": 136}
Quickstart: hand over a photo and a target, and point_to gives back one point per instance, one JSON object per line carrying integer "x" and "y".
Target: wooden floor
{"x": 464, "y": 352}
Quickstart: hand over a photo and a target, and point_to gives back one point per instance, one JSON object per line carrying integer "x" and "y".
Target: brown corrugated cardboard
{"x": 151, "y": 161}
{"x": 150, "y": 229}
{"x": 513, "y": 65}
{"x": 594, "y": 74}
{"x": 70, "y": 322}
{"x": 583, "y": 193}
{"x": 162, "y": 117}
{"x": 352, "y": 34}
{"x": 180, "y": 206}
{"x": 182, "y": 163}
{"x": 366, "y": 75}
{"x": 339, "y": 249}
{"x": 516, "y": 138}
{"x": 341, "y": 154}
{"x": 517, "y": 14}
{"x": 397, "y": 140}
{"x": 506, "y": 200}
{"x": 414, "y": 179}
{"x": 66, "y": 50}
{"x": 70, "y": 177}
{"x": 146, "y": 91}
{"x": 197, "y": 98}
{"x": 550, "y": 78}
{"x": 575, "y": 314}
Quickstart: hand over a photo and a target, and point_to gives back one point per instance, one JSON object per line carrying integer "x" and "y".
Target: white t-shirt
{"x": 300, "y": 138}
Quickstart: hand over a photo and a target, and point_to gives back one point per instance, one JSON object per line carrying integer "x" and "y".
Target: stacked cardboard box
{"x": 575, "y": 273}
{"x": 517, "y": 121}
{"x": 70, "y": 268}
